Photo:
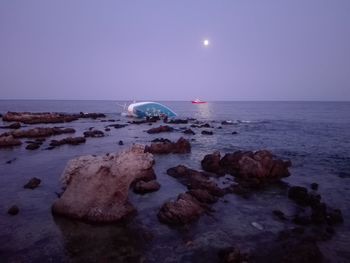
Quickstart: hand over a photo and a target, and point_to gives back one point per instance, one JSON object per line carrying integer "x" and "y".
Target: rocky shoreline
{"x": 96, "y": 188}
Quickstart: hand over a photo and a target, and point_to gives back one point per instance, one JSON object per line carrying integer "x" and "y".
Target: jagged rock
{"x": 68, "y": 140}
{"x": 97, "y": 186}
{"x": 166, "y": 147}
{"x": 160, "y": 129}
{"x": 207, "y": 132}
{"x": 211, "y": 163}
{"x": 94, "y": 133}
{"x": 8, "y": 141}
{"x": 13, "y": 210}
{"x": 32, "y": 146}
{"x": 142, "y": 187}
{"x": 121, "y": 143}
{"x": 41, "y": 132}
{"x": 32, "y": 183}
{"x": 184, "y": 210}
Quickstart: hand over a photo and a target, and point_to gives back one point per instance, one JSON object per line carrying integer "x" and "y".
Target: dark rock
{"x": 107, "y": 129}
{"x": 68, "y": 140}
{"x": 184, "y": 210}
{"x": 13, "y": 210}
{"x": 303, "y": 251}
{"x": 189, "y": 131}
{"x": 166, "y": 147}
{"x": 32, "y": 146}
{"x": 203, "y": 196}
{"x": 15, "y": 125}
{"x": 161, "y": 140}
{"x": 160, "y": 129}
{"x": 50, "y": 148}
{"x": 314, "y": 186}
{"x": 142, "y": 187}
{"x": 91, "y": 115}
{"x": 219, "y": 127}
{"x": 299, "y": 194}
{"x": 117, "y": 126}
{"x": 206, "y": 125}
{"x": 232, "y": 255}
{"x": 35, "y": 118}
{"x": 239, "y": 189}
{"x": 207, "y": 132}
{"x": 177, "y": 121}
{"x": 211, "y": 163}
{"x": 32, "y": 183}
{"x": 234, "y": 132}
{"x": 121, "y": 143}
{"x": 11, "y": 161}
{"x": 94, "y": 133}
{"x": 279, "y": 214}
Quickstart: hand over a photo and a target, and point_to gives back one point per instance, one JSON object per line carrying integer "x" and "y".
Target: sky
{"x": 153, "y": 50}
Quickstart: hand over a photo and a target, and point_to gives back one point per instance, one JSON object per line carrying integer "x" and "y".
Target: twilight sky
{"x": 153, "y": 50}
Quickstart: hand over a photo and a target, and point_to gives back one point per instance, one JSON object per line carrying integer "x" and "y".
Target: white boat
{"x": 149, "y": 109}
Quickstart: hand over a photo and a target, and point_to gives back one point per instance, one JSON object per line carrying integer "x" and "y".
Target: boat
{"x": 149, "y": 109}
{"x": 198, "y": 101}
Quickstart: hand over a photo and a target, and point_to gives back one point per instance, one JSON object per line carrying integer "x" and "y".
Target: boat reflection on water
{"x": 204, "y": 111}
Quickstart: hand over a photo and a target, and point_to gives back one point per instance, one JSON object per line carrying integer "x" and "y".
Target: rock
{"x": 160, "y": 129}
{"x": 91, "y": 115}
{"x": 68, "y": 140}
{"x": 94, "y": 133}
{"x": 232, "y": 255}
{"x": 8, "y": 141}
{"x": 279, "y": 214}
{"x": 165, "y": 147}
{"x": 211, "y": 163}
{"x": 107, "y": 129}
{"x": 314, "y": 186}
{"x": 161, "y": 140}
{"x": 143, "y": 187}
{"x": 203, "y": 196}
{"x": 206, "y": 125}
{"x": 121, "y": 143}
{"x": 303, "y": 251}
{"x": 234, "y": 132}
{"x": 13, "y": 210}
{"x": 177, "y": 121}
{"x": 35, "y": 118}
{"x": 15, "y": 125}
{"x": 299, "y": 194}
{"x": 207, "y": 132}
{"x": 117, "y": 126}
{"x": 227, "y": 123}
{"x": 189, "y": 131}
{"x": 41, "y": 132}
{"x": 97, "y": 186}
{"x": 32, "y": 183}
{"x": 11, "y": 161}
{"x": 195, "y": 180}
{"x": 184, "y": 210}
{"x": 32, "y": 146}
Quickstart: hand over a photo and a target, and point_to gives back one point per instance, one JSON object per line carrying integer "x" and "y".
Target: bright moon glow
{"x": 206, "y": 42}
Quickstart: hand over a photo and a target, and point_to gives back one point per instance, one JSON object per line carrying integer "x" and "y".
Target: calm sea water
{"x": 315, "y": 136}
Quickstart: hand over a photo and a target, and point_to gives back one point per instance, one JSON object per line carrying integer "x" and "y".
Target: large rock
{"x": 97, "y": 186}
{"x": 8, "y": 141}
{"x": 142, "y": 187}
{"x": 211, "y": 163}
{"x": 184, "y": 210}
{"x": 160, "y": 129}
{"x": 165, "y": 146}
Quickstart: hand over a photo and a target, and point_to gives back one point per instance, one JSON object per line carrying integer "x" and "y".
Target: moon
{"x": 206, "y": 42}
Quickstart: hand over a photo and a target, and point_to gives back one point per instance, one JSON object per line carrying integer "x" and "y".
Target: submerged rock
{"x": 142, "y": 187}
{"x": 94, "y": 133}
{"x": 32, "y": 183}
{"x": 41, "y": 132}
{"x": 207, "y": 132}
{"x": 13, "y": 210}
{"x": 68, "y": 140}
{"x": 184, "y": 210}
{"x": 160, "y": 129}
{"x": 33, "y": 146}
{"x": 8, "y": 141}
{"x": 189, "y": 131}
{"x": 164, "y": 146}
{"x": 97, "y": 186}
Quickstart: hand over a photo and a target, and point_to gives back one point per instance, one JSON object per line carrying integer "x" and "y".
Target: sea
{"x": 314, "y": 136}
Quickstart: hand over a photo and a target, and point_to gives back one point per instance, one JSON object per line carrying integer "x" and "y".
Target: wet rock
{"x": 107, "y": 129}
{"x": 32, "y": 146}
{"x": 8, "y": 141}
{"x": 314, "y": 186}
{"x": 41, "y": 132}
{"x": 279, "y": 214}
{"x": 232, "y": 255}
{"x": 299, "y": 194}
{"x": 211, "y": 163}
{"x": 165, "y": 147}
{"x": 177, "y": 121}
{"x": 13, "y": 210}
{"x": 11, "y": 161}
{"x": 161, "y": 140}
{"x": 239, "y": 189}
{"x": 91, "y": 115}
{"x": 15, "y": 125}
{"x": 143, "y": 187}
{"x": 32, "y": 183}
{"x": 203, "y": 196}
{"x": 189, "y": 131}
{"x": 206, "y": 125}
{"x": 195, "y": 180}
{"x": 120, "y": 143}
{"x": 97, "y": 186}
{"x": 68, "y": 140}
{"x": 117, "y": 126}
{"x": 35, "y": 118}
{"x": 94, "y": 134}
{"x": 184, "y": 210}
{"x": 160, "y": 129}
{"x": 227, "y": 123}
{"x": 234, "y": 132}
{"x": 207, "y": 132}
{"x": 303, "y": 251}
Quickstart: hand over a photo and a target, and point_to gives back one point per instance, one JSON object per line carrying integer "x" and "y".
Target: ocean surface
{"x": 315, "y": 136}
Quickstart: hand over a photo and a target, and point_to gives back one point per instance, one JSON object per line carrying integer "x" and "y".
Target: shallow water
{"x": 313, "y": 135}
